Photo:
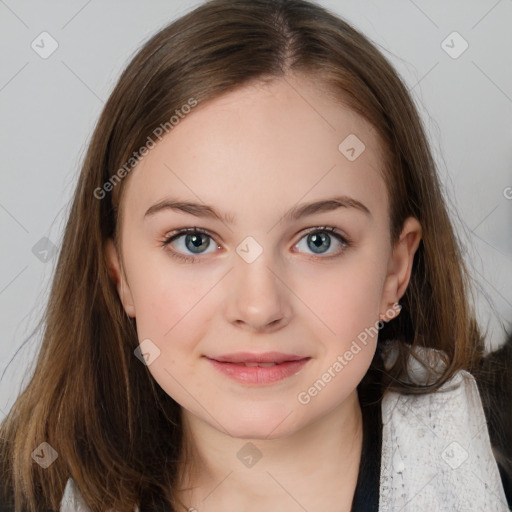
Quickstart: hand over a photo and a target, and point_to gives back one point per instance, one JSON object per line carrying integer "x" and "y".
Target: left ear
{"x": 400, "y": 266}
{"x": 118, "y": 278}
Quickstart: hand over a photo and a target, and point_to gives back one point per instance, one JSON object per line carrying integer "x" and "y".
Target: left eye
{"x": 319, "y": 239}
{"x": 197, "y": 240}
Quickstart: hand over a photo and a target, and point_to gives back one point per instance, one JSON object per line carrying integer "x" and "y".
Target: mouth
{"x": 259, "y": 372}
{"x": 261, "y": 365}
{"x": 250, "y": 357}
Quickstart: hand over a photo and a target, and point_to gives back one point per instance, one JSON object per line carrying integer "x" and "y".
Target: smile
{"x": 259, "y": 373}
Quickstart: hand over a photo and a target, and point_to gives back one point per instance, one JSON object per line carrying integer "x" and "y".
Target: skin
{"x": 255, "y": 153}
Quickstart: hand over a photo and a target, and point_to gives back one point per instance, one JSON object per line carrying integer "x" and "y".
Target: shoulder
{"x": 455, "y": 404}
{"x": 72, "y": 499}
{"x": 436, "y": 450}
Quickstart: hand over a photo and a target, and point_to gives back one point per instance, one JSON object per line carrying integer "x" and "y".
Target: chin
{"x": 263, "y": 423}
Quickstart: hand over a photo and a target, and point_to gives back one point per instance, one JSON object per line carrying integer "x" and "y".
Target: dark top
{"x": 366, "y": 495}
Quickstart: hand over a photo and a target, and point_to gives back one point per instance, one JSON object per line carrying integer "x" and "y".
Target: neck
{"x": 315, "y": 468}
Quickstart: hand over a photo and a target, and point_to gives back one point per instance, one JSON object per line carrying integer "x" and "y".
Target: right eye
{"x": 188, "y": 239}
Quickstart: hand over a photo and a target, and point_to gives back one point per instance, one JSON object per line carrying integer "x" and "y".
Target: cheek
{"x": 347, "y": 302}
{"x": 168, "y": 306}
{"x": 163, "y": 294}
{"x": 169, "y": 312}
{"x": 345, "y": 298}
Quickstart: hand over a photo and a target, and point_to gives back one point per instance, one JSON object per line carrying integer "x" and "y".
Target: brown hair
{"x": 117, "y": 434}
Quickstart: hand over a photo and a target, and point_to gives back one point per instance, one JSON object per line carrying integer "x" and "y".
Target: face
{"x": 264, "y": 278}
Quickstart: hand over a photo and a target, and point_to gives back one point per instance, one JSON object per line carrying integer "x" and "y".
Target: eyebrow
{"x": 295, "y": 213}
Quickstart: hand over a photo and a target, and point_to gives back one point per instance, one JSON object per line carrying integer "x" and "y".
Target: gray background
{"x": 49, "y": 108}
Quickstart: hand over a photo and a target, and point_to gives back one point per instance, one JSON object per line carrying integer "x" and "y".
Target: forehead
{"x": 260, "y": 147}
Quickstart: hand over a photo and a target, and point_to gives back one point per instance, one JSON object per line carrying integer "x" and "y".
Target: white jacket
{"x": 436, "y": 451}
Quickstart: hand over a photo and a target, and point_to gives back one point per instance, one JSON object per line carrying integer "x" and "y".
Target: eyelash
{"x": 345, "y": 241}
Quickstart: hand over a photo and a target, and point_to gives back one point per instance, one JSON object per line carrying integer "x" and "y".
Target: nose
{"x": 258, "y": 298}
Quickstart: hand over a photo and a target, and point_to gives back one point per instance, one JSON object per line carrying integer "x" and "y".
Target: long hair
{"x": 116, "y": 433}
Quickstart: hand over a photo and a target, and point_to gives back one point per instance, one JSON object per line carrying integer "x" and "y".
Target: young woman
{"x": 260, "y": 301}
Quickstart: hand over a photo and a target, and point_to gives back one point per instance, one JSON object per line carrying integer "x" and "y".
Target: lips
{"x": 259, "y": 369}
{"x": 261, "y": 365}
{"x": 252, "y": 359}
